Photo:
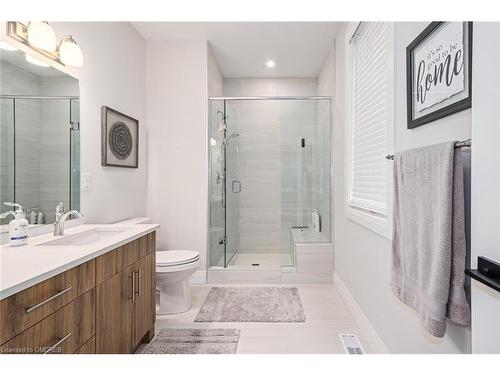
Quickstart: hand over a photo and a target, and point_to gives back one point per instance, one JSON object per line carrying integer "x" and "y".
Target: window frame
{"x": 381, "y": 224}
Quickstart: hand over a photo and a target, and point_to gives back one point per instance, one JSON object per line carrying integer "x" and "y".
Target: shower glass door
{"x": 269, "y": 172}
{"x": 216, "y": 186}
{"x": 233, "y": 186}
{"x": 224, "y": 186}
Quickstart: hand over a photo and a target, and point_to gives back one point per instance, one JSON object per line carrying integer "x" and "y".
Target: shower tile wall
{"x": 54, "y": 161}
{"x": 270, "y": 87}
{"x": 55, "y": 144}
{"x": 299, "y": 182}
{"x": 321, "y": 175}
{"x": 28, "y": 152}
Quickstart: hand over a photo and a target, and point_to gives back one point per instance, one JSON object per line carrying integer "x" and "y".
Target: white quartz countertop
{"x": 25, "y": 266}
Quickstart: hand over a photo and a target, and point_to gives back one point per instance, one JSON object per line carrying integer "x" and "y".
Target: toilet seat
{"x": 172, "y": 258}
{"x": 173, "y": 270}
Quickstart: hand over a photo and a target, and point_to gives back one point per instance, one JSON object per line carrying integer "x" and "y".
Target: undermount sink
{"x": 84, "y": 238}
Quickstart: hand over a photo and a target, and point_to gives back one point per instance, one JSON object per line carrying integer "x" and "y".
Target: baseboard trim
{"x": 199, "y": 277}
{"x": 374, "y": 340}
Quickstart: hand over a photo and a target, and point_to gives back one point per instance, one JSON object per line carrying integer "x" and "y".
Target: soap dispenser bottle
{"x": 18, "y": 228}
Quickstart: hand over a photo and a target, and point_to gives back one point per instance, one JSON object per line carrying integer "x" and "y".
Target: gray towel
{"x": 429, "y": 247}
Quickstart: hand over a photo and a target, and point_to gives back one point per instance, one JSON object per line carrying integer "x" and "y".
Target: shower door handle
{"x": 236, "y": 186}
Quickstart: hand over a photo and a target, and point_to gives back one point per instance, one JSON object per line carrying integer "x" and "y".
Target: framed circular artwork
{"x": 119, "y": 139}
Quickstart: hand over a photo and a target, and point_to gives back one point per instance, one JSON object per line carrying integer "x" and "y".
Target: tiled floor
{"x": 326, "y": 317}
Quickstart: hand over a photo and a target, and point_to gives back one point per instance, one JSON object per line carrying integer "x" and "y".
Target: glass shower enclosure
{"x": 269, "y": 175}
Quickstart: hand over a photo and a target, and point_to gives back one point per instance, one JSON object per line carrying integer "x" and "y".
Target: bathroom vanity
{"x": 90, "y": 291}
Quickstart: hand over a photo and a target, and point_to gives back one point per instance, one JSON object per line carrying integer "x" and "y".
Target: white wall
{"x": 113, "y": 75}
{"x": 486, "y": 182}
{"x": 215, "y": 81}
{"x": 176, "y": 81}
{"x": 363, "y": 258}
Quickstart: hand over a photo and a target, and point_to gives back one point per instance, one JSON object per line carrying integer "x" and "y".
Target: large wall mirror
{"x": 39, "y": 138}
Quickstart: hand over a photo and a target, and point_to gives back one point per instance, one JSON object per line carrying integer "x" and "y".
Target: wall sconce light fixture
{"x": 40, "y": 37}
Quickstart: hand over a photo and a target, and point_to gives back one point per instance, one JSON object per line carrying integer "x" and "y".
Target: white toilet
{"x": 173, "y": 268}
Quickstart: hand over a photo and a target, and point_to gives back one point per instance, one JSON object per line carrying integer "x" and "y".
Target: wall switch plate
{"x": 85, "y": 182}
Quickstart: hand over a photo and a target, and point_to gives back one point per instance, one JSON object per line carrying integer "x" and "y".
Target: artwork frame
{"x": 119, "y": 139}
{"x": 443, "y": 106}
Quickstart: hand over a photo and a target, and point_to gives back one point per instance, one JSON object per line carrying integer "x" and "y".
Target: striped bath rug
{"x": 194, "y": 341}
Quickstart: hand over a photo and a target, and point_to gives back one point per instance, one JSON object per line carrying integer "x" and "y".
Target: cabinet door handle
{"x": 57, "y": 344}
{"x": 138, "y": 282}
{"x": 133, "y": 287}
{"x": 47, "y": 300}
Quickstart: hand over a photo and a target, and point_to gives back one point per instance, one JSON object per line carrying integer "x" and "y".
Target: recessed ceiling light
{"x": 35, "y": 61}
{"x": 6, "y": 46}
{"x": 270, "y": 64}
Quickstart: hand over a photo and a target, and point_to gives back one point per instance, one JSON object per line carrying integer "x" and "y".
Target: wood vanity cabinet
{"x": 125, "y": 308}
{"x": 125, "y": 299}
{"x": 106, "y": 305}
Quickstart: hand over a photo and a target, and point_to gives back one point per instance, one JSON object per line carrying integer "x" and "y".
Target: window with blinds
{"x": 368, "y": 188}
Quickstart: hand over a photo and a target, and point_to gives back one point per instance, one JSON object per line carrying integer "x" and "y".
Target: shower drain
{"x": 255, "y": 264}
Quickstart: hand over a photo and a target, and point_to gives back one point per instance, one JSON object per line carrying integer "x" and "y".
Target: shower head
{"x": 221, "y": 121}
{"x": 221, "y": 125}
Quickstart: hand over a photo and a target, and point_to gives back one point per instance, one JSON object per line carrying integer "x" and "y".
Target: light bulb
{"x": 70, "y": 53}
{"x": 35, "y": 61}
{"x": 41, "y": 35}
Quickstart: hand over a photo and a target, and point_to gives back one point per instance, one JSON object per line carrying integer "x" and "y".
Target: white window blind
{"x": 368, "y": 188}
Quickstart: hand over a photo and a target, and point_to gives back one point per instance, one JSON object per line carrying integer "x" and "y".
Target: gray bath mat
{"x": 194, "y": 341}
{"x": 258, "y": 304}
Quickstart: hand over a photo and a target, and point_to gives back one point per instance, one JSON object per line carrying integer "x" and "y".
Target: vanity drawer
{"x": 87, "y": 348}
{"x": 64, "y": 331}
{"x": 22, "y": 310}
{"x": 147, "y": 244}
{"x": 117, "y": 260}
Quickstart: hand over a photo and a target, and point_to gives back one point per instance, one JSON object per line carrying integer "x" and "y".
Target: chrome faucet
{"x": 61, "y": 218}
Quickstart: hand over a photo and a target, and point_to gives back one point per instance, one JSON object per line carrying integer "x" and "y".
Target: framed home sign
{"x": 439, "y": 72}
{"x": 119, "y": 139}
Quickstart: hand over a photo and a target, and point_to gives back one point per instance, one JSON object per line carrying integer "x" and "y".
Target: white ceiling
{"x": 242, "y": 48}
